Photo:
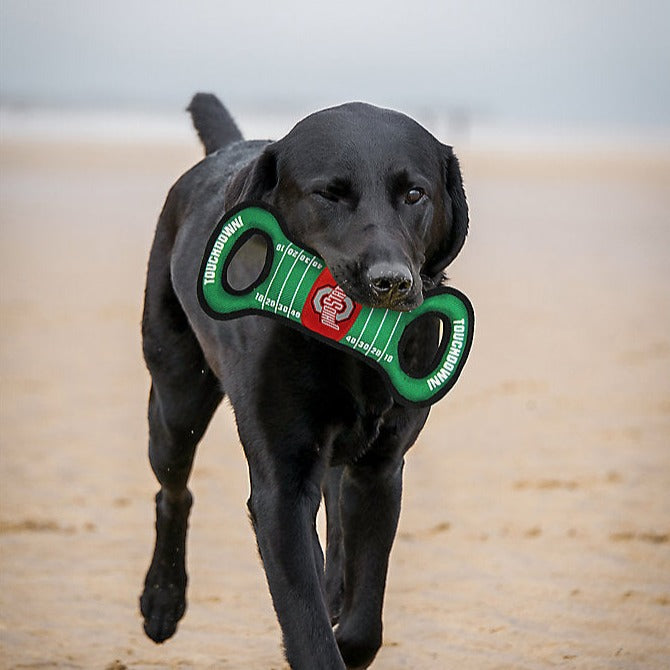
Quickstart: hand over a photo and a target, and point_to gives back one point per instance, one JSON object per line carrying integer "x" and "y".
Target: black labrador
{"x": 382, "y": 201}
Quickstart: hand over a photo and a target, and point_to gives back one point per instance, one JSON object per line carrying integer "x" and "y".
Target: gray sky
{"x": 587, "y": 62}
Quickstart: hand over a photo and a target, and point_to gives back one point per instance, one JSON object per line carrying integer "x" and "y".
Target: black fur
{"x": 314, "y": 421}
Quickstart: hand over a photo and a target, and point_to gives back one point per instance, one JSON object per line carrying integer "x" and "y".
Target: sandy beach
{"x": 535, "y": 530}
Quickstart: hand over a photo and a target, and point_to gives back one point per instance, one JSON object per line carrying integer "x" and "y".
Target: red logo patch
{"x": 328, "y": 310}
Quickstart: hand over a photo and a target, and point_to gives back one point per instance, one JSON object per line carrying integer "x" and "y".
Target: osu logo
{"x": 333, "y": 305}
{"x": 328, "y": 310}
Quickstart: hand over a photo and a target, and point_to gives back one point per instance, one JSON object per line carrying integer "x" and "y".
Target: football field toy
{"x": 295, "y": 286}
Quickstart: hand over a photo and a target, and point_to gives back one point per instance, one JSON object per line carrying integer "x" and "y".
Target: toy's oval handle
{"x": 261, "y": 272}
{"x": 453, "y": 308}
{"x": 283, "y": 282}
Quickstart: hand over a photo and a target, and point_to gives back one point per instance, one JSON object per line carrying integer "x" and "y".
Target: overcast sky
{"x": 572, "y": 61}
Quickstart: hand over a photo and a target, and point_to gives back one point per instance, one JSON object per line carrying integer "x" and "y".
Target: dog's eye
{"x": 333, "y": 190}
{"x": 327, "y": 195}
{"x": 414, "y": 195}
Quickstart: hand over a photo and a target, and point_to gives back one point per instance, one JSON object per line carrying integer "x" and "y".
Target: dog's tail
{"x": 214, "y": 124}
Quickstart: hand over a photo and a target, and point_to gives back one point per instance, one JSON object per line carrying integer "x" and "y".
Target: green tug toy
{"x": 296, "y": 286}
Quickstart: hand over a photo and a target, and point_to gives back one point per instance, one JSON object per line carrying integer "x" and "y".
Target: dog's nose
{"x": 390, "y": 281}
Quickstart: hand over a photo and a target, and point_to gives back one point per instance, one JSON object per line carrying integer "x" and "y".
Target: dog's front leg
{"x": 370, "y": 508}
{"x": 285, "y": 497}
{"x": 370, "y": 498}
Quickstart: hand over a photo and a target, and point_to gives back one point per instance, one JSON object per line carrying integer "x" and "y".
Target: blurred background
{"x": 560, "y": 70}
{"x": 535, "y": 529}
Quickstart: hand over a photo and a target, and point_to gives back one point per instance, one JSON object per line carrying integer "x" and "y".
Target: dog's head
{"x": 372, "y": 192}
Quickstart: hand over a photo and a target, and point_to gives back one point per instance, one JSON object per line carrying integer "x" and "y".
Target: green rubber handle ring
{"x": 296, "y": 286}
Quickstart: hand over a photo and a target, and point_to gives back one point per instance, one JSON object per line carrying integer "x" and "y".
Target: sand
{"x": 535, "y": 530}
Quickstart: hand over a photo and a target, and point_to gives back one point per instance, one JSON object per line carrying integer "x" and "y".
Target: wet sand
{"x": 535, "y": 530}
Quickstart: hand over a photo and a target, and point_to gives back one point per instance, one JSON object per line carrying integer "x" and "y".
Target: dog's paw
{"x": 163, "y": 603}
{"x": 358, "y": 646}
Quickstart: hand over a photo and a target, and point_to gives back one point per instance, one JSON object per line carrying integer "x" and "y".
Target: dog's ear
{"x": 455, "y": 215}
{"x": 255, "y": 180}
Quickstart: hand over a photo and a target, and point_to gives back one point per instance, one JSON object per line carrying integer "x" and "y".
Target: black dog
{"x": 382, "y": 201}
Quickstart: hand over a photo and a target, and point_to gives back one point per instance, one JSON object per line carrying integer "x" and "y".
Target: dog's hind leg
{"x": 183, "y": 397}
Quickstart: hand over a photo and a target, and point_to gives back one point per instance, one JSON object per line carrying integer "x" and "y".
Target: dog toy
{"x": 295, "y": 286}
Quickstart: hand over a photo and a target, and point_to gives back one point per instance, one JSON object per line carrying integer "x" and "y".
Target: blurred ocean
{"x": 35, "y": 124}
